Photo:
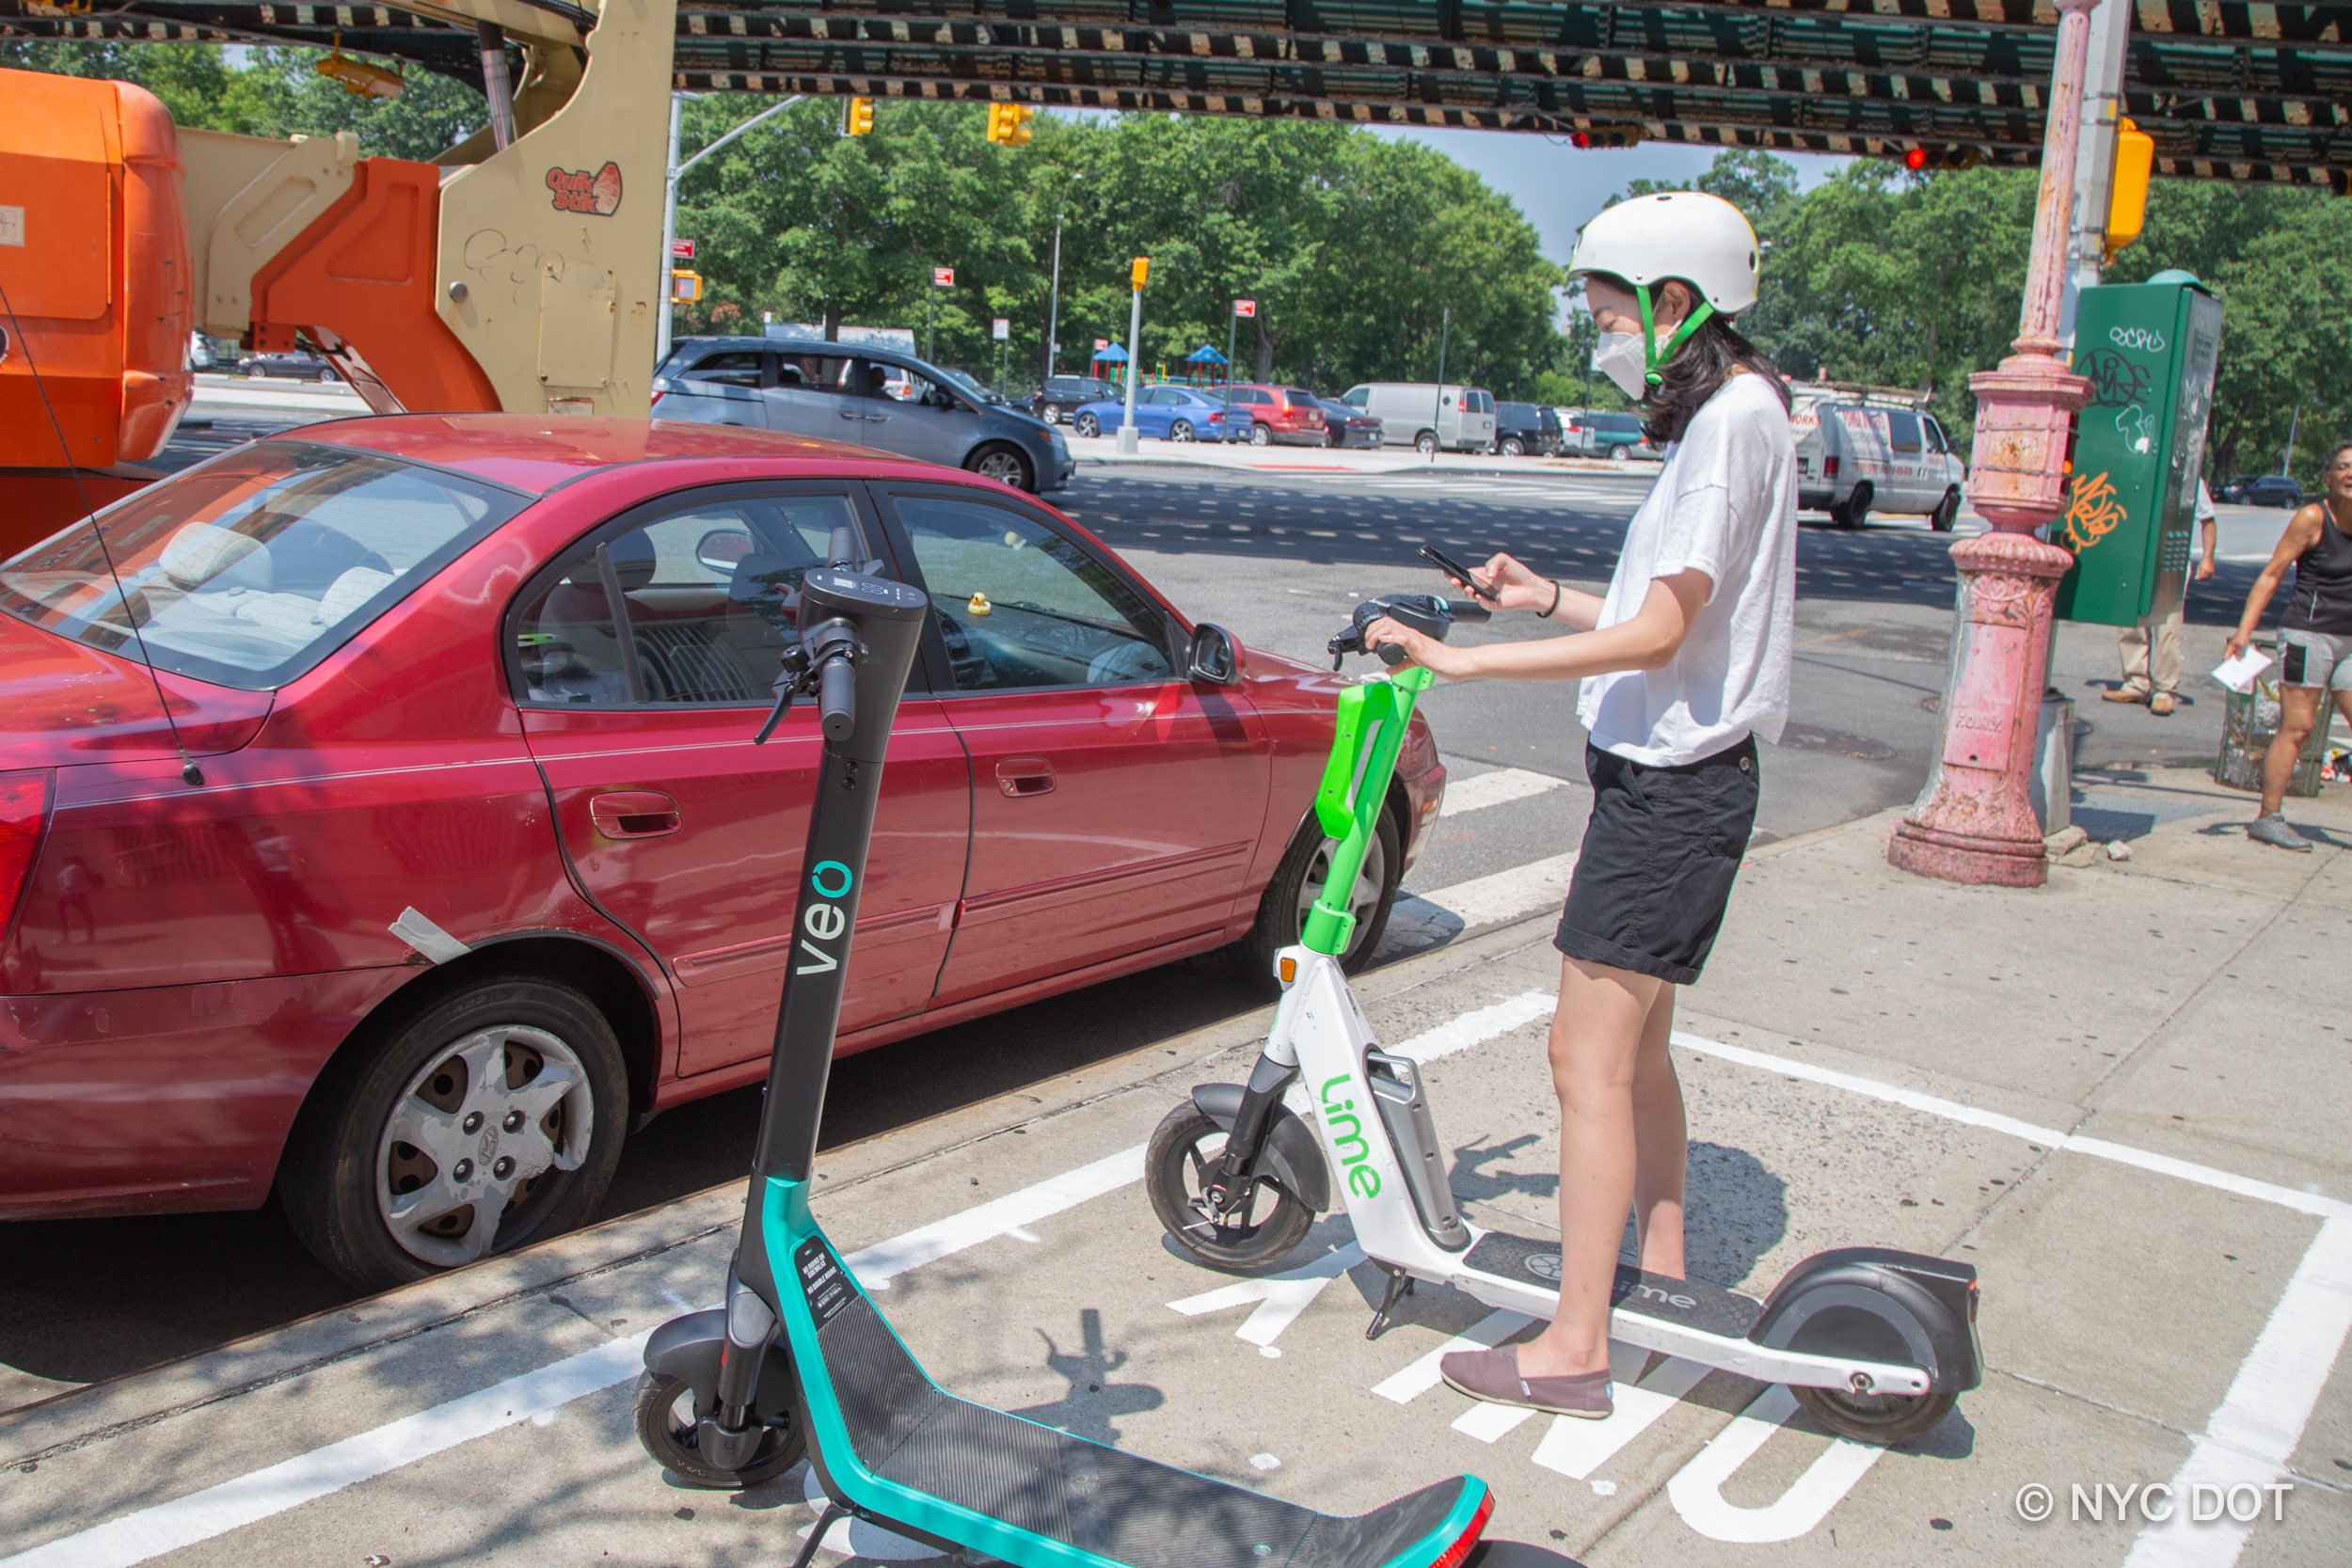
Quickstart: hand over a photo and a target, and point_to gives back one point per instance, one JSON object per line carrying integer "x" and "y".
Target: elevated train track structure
{"x": 2228, "y": 89}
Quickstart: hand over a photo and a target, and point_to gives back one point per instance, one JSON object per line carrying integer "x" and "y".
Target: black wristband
{"x": 1555, "y": 601}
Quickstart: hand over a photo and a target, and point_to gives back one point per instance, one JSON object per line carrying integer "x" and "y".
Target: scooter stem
{"x": 1372, "y": 718}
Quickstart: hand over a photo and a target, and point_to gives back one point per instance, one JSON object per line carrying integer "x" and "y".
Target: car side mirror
{"x": 1216, "y": 657}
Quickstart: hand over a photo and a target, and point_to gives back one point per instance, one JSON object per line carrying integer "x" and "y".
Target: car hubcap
{"x": 1001, "y": 465}
{"x": 1179, "y": 432}
{"x": 1361, "y": 901}
{"x": 472, "y": 1136}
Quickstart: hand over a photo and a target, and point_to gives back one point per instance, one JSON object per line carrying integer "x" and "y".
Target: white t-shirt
{"x": 1726, "y": 504}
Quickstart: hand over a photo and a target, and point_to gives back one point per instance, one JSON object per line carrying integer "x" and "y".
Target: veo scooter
{"x": 800, "y": 1359}
{"x": 1874, "y": 1343}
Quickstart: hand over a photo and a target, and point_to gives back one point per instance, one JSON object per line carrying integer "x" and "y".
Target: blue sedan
{"x": 1168, "y": 413}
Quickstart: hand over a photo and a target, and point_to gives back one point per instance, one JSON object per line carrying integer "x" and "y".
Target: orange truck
{"x": 482, "y": 280}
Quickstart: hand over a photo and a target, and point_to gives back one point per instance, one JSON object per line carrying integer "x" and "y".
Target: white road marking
{"x": 2252, "y": 1438}
{"x": 1478, "y": 791}
{"x": 1576, "y": 1447}
{"x": 1279, "y": 1298}
{"x": 1488, "y": 901}
{"x": 876, "y": 1265}
{"x": 1476, "y": 1028}
{"x": 1696, "y": 1489}
{"x": 1487, "y": 1421}
{"x": 1422, "y": 1376}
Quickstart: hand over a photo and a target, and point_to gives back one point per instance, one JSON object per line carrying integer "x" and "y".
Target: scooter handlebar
{"x": 1427, "y": 614}
{"x": 837, "y": 699}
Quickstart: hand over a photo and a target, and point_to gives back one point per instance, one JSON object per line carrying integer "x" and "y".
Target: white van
{"x": 1424, "y": 415}
{"x": 1872, "y": 448}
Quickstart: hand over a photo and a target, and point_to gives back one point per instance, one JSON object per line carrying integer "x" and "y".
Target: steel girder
{"x": 2228, "y": 89}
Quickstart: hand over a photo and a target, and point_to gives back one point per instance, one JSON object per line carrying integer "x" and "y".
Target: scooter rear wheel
{"x": 665, "y": 1426}
{"x": 1883, "y": 1420}
{"x": 1184, "y": 1149}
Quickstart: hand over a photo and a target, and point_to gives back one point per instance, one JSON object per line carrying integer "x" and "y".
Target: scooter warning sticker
{"x": 821, "y": 1280}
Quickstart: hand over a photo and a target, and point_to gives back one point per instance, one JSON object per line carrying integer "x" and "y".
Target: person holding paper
{"x": 2314, "y": 634}
{"x": 2151, "y": 651}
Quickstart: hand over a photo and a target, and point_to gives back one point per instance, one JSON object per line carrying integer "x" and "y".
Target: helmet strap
{"x": 1655, "y": 358}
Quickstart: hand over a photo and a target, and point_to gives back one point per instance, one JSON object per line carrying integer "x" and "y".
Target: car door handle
{"x": 633, "y": 814}
{"x": 1019, "y": 777}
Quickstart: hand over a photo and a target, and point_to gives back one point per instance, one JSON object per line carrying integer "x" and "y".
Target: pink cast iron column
{"x": 1975, "y": 822}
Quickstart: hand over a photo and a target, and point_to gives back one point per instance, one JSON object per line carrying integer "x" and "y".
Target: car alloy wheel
{"x": 1002, "y": 464}
{"x": 1620, "y": 452}
{"x": 473, "y": 1135}
{"x": 1426, "y": 444}
{"x": 1180, "y": 431}
{"x": 1089, "y": 426}
{"x": 328, "y": 375}
{"x": 1052, "y": 414}
{"x": 1514, "y": 447}
{"x": 1261, "y": 436}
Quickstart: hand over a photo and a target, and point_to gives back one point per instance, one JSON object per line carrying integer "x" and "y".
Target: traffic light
{"x": 1919, "y": 159}
{"x": 2127, "y": 191}
{"x": 686, "y": 288}
{"x": 1606, "y": 136}
{"x": 858, "y": 120}
{"x": 1008, "y": 123}
{"x": 1141, "y": 270}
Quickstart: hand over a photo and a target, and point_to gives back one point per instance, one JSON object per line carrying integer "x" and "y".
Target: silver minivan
{"x": 1425, "y": 416}
{"x": 1861, "y": 450}
{"x": 862, "y": 394}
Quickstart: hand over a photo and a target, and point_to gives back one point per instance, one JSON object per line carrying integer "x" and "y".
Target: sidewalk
{"x": 2122, "y": 1097}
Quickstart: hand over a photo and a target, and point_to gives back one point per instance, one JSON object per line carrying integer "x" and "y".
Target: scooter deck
{"x": 1684, "y": 1303}
{"x": 1101, "y": 1503}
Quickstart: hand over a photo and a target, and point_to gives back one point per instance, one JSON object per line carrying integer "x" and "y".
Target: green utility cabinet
{"x": 2139, "y": 444}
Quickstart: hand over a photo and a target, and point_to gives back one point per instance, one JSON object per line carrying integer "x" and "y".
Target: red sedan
{"x": 469, "y": 861}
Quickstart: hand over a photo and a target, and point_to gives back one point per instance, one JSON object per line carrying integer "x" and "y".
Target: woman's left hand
{"x": 1427, "y": 652}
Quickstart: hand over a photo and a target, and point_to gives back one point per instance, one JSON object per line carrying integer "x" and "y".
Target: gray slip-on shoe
{"x": 2273, "y": 831}
{"x": 1493, "y": 1375}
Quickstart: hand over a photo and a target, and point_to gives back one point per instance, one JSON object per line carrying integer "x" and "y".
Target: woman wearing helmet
{"x": 1685, "y": 662}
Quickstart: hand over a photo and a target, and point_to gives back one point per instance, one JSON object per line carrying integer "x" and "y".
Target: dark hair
{"x": 1701, "y": 365}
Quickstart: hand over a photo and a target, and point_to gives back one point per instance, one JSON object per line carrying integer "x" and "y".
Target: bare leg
{"x": 1662, "y": 1143}
{"x": 1597, "y": 1044}
{"x": 2298, "y": 710}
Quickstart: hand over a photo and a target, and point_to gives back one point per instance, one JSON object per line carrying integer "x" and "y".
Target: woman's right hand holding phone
{"x": 1514, "y": 586}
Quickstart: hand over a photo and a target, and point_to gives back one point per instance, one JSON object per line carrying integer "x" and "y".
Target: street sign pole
{"x": 1002, "y": 330}
{"x": 1437, "y": 415}
{"x": 931, "y": 324}
{"x": 1130, "y": 439}
{"x": 1232, "y": 323}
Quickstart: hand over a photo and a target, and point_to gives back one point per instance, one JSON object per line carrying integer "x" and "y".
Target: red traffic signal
{"x": 1919, "y": 158}
{"x": 1915, "y": 158}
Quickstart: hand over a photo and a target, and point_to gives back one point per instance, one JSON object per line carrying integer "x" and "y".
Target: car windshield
{"x": 250, "y": 570}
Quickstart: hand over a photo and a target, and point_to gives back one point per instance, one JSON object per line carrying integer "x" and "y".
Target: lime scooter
{"x": 799, "y": 1359}
{"x": 1875, "y": 1344}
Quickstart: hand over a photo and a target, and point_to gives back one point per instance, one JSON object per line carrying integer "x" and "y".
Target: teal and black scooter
{"x": 800, "y": 1359}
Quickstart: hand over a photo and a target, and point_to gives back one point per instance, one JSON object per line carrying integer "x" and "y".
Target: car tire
{"x": 1261, "y": 436}
{"x": 1007, "y": 465}
{"x": 1946, "y": 511}
{"x": 1620, "y": 452}
{"x": 344, "y": 1168}
{"x": 1180, "y": 431}
{"x": 1426, "y": 444}
{"x": 1282, "y": 909}
{"x": 1514, "y": 447}
{"x": 257, "y": 371}
{"x": 1088, "y": 426}
{"x": 328, "y": 375}
{"x": 1051, "y": 413}
{"x": 1856, "y": 512}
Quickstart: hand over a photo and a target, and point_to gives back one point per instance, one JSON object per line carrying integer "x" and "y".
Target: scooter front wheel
{"x": 665, "y": 1426}
{"x": 1883, "y": 1420}
{"x": 1177, "y": 1165}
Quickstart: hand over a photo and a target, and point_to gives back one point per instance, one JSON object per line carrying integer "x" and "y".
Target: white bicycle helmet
{"x": 1703, "y": 240}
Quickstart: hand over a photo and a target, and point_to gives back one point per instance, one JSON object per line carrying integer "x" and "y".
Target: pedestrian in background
{"x": 2152, "y": 654}
{"x": 2314, "y": 634}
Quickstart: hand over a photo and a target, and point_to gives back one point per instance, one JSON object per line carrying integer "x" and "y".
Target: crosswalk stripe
{"x": 1478, "y": 791}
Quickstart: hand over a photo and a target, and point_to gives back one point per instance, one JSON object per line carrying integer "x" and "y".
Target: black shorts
{"x": 1659, "y": 853}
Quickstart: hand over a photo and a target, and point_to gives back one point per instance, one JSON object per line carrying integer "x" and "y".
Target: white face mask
{"x": 1618, "y": 356}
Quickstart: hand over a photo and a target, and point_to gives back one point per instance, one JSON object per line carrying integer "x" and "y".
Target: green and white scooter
{"x": 800, "y": 1359}
{"x": 1875, "y": 1344}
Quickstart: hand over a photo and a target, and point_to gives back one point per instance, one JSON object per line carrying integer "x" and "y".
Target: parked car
{"x": 1167, "y": 414}
{"x": 1344, "y": 426}
{"x": 863, "y": 394}
{"x": 1854, "y": 457}
{"x": 1426, "y": 417}
{"x": 1613, "y": 435}
{"x": 1061, "y": 394}
{"x": 1523, "y": 427}
{"x": 293, "y": 367}
{"x": 2264, "y": 490}
{"x": 469, "y": 863}
{"x": 1289, "y": 415}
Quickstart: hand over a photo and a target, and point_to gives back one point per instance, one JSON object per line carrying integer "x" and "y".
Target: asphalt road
{"x": 1278, "y": 560}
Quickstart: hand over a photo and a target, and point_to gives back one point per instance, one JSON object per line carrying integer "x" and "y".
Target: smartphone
{"x": 1458, "y": 572}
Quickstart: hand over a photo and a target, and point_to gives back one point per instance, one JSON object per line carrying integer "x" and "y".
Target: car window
{"x": 1251, "y": 395}
{"x": 1164, "y": 396}
{"x": 1021, "y": 606}
{"x": 1935, "y": 434}
{"x": 1303, "y": 399}
{"x": 735, "y": 368}
{"x": 1902, "y": 433}
{"x": 921, "y": 391}
{"x": 1358, "y": 397}
{"x": 250, "y": 570}
{"x": 711, "y": 592}
{"x": 824, "y": 373}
